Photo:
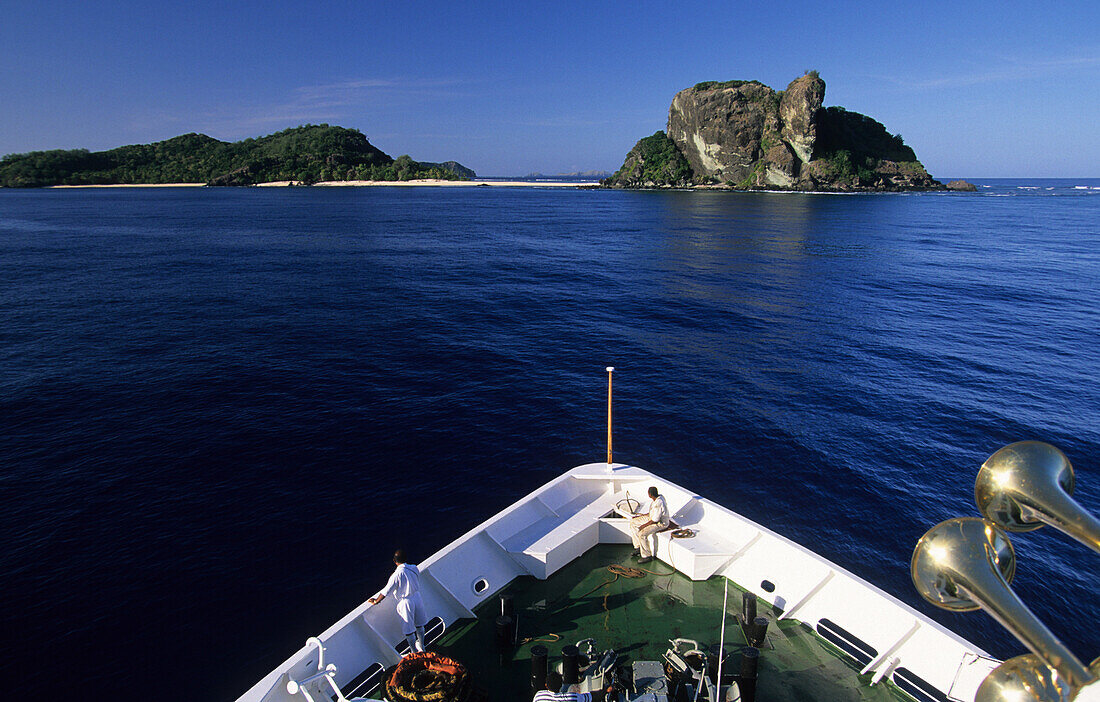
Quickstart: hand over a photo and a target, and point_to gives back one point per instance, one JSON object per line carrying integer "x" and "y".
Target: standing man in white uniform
{"x": 404, "y": 584}
{"x": 645, "y": 525}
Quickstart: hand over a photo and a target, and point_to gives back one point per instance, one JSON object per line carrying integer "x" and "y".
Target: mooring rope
{"x": 621, "y": 571}
{"x": 549, "y": 638}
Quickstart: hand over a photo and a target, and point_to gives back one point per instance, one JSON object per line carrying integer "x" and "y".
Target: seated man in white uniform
{"x": 553, "y": 693}
{"x": 645, "y": 525}
{"x": 404, "y": 584}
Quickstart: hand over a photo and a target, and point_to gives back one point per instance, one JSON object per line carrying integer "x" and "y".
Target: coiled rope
{"x": 428, "y": 677}
{"x": 621, "y": 571}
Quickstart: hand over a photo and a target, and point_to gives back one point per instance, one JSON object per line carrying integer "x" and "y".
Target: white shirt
{"x": 658, "y": 511}
{"x": 404, "y": 583}
{"x": 547, "y": 696}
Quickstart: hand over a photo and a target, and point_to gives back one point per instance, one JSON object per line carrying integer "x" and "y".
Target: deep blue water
{"x": 222, "y": 409}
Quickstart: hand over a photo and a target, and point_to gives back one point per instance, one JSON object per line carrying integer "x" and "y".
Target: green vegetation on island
{"x": 307, "y": 154}
{"x": 722, "y": 85}
{"x": 654, "y": 160}
{"x": 853, "y": 145}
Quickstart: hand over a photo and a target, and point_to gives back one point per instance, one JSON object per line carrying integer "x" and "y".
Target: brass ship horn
{"x": 1024, "y": 678}
{"x": 1029, "y": 483}
{"x": 965, "y": 564}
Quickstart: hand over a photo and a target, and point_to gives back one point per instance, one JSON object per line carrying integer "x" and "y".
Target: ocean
{"x": 223, "y": 408}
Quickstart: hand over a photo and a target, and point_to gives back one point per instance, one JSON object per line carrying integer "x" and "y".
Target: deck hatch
{"x": 855, "y": 647}
{"x": 919, "y": 688}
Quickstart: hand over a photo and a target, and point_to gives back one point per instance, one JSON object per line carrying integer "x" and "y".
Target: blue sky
{"x": 977, "y": 89}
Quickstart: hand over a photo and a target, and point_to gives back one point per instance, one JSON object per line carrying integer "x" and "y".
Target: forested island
{"x": 743, "y": 135}
{"x": 305, "y": 155}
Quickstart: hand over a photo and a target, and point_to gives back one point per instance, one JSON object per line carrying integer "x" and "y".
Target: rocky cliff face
{"x": 745, "y": 135}
{"x": 725, "y": 129}
{"x": 797, "y": 109}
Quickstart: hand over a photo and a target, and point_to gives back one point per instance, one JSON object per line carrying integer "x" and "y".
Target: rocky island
{"x": 744, "y": 135}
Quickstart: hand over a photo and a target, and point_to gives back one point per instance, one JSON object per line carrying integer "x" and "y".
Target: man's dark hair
{"x": 553, "y": 681}
{"x": 653, "y": 492}
{"x": 399, "y": 556}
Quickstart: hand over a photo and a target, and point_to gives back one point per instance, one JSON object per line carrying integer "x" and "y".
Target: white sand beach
{"x": 364, "y": 183}
{"x": 437, "y": 183}
{"x": 135, "y": 185}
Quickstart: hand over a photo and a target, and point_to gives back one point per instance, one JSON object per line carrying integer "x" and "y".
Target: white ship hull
{"x": 561, "y": 520}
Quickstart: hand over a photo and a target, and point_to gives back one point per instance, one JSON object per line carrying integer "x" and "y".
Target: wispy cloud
{"x": 342, "y": 92}
{"x": 563, "y": 123}
{"x": 1004, "y": 68}
{"x": 352, "y": 92}
{"x": 611, "y": 117}
{"x": 458, "y": 136}
{"x": 325, "y": 102}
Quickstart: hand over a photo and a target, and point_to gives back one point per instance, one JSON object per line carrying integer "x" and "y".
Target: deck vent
{"x": 920, "y": 689}
{"x": 481, "y": 586}
{"x": 855, "y": 647}
{"x": 767, "y": 586}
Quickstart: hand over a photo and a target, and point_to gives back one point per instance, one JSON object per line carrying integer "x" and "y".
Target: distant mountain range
{"x": 452, "y": 167}
{"x": 307, "y": 154}
{"x": 578, "y": 174}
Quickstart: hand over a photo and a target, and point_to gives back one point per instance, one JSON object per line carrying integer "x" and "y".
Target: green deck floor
{"x": 637, "y": 617}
